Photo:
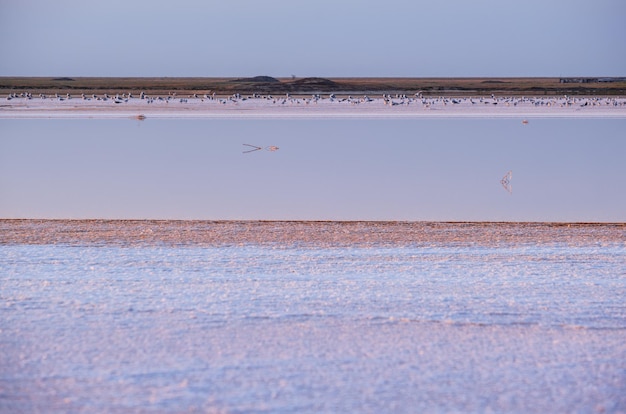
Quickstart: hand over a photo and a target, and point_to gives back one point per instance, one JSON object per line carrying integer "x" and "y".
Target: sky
{"x": 327, "y": 38}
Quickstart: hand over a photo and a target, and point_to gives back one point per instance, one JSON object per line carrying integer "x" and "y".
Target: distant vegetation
{"x": 270, "y": 85}
{"x": 257, "y": 79}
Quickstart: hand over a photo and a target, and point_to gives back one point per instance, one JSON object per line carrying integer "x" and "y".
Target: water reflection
{"x": 336, "y": 169}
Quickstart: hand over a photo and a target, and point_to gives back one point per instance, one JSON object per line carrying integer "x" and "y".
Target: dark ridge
{"x": 63, "y": 79}
{"x": 258, "y": 79}
{"x": 266, "y": 84}
{"x": 313, "y": 85}
{"x": 321, "y": 82}
{"x": 494, "y": 81}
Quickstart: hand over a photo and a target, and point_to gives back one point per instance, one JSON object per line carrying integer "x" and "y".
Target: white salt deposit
{"x": 312, "y": 106}
{"x": 100, "y": 316}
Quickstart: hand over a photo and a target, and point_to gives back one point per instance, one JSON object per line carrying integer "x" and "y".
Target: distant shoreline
{"x": 267, "y": 97}
{"x": 431, "y": 87}
{"x": 143, "y": 106}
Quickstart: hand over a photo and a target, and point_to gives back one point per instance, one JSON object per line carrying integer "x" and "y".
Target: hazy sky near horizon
{"x": 329, "y": 38}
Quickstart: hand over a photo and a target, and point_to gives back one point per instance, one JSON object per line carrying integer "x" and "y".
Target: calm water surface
{"x": 325, "y": 169}
{"x": 205, "y": 316}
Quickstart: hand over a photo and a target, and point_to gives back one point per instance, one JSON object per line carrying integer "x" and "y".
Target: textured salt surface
{"x": 134, "y": 316}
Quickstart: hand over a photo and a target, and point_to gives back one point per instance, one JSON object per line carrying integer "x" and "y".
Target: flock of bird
{"x": 562, "y": 101}
{"x": 387, "y": 99}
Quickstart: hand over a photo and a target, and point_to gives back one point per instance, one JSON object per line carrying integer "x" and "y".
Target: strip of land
{"x": 264, "y": 97}
{"x": 608, "y": 86}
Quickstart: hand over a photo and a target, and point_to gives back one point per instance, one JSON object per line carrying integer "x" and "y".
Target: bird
{"x": 271, "y": 148}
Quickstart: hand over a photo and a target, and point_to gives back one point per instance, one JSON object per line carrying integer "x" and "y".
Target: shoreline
{"x": 263, "y": 232}
{"x": 26, "y": 106}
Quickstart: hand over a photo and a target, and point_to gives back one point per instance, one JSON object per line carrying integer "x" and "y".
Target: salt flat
{"x": 312, "y": 106}
{"x": 311, "y": 317}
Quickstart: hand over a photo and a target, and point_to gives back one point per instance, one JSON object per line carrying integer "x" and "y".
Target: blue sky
{"x": 313, "y": 38}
